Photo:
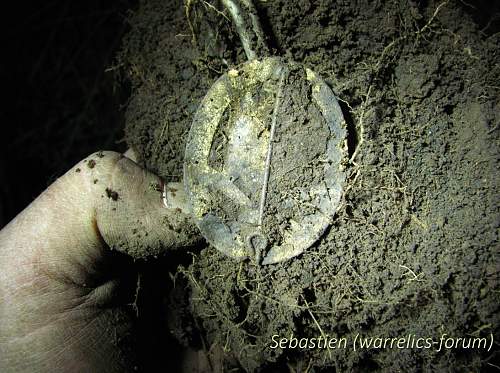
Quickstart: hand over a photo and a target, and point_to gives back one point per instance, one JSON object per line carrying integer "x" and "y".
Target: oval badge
{"x": 264, "y": 162}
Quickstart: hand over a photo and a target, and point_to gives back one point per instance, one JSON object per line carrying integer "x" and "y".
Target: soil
{"x": 413, "y": 250}
{"x": 298, "y": 152}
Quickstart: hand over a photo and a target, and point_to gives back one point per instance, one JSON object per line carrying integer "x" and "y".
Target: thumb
{"x": 106, "y": 200}
{"x": 135, "y": 211}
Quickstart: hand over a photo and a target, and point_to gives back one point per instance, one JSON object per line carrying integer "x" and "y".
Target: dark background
{"x": 61, "y": 96}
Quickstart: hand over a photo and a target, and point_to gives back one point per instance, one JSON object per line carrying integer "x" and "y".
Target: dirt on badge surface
{"x": 413, "y": 250}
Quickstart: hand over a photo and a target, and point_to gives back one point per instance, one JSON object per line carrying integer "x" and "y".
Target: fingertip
{"x": 174, "y": 197}
{"x": 131, "y": 154}
{"x": 142, "y": 216}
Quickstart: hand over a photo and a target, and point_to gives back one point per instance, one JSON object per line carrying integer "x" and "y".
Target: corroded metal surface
{"x": 236, "y": 161}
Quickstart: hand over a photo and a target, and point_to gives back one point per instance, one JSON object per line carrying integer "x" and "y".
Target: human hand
{"x": 64, "y": 280}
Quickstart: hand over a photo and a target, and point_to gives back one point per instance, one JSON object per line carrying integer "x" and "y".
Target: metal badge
{"x": 264, "y": 162}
